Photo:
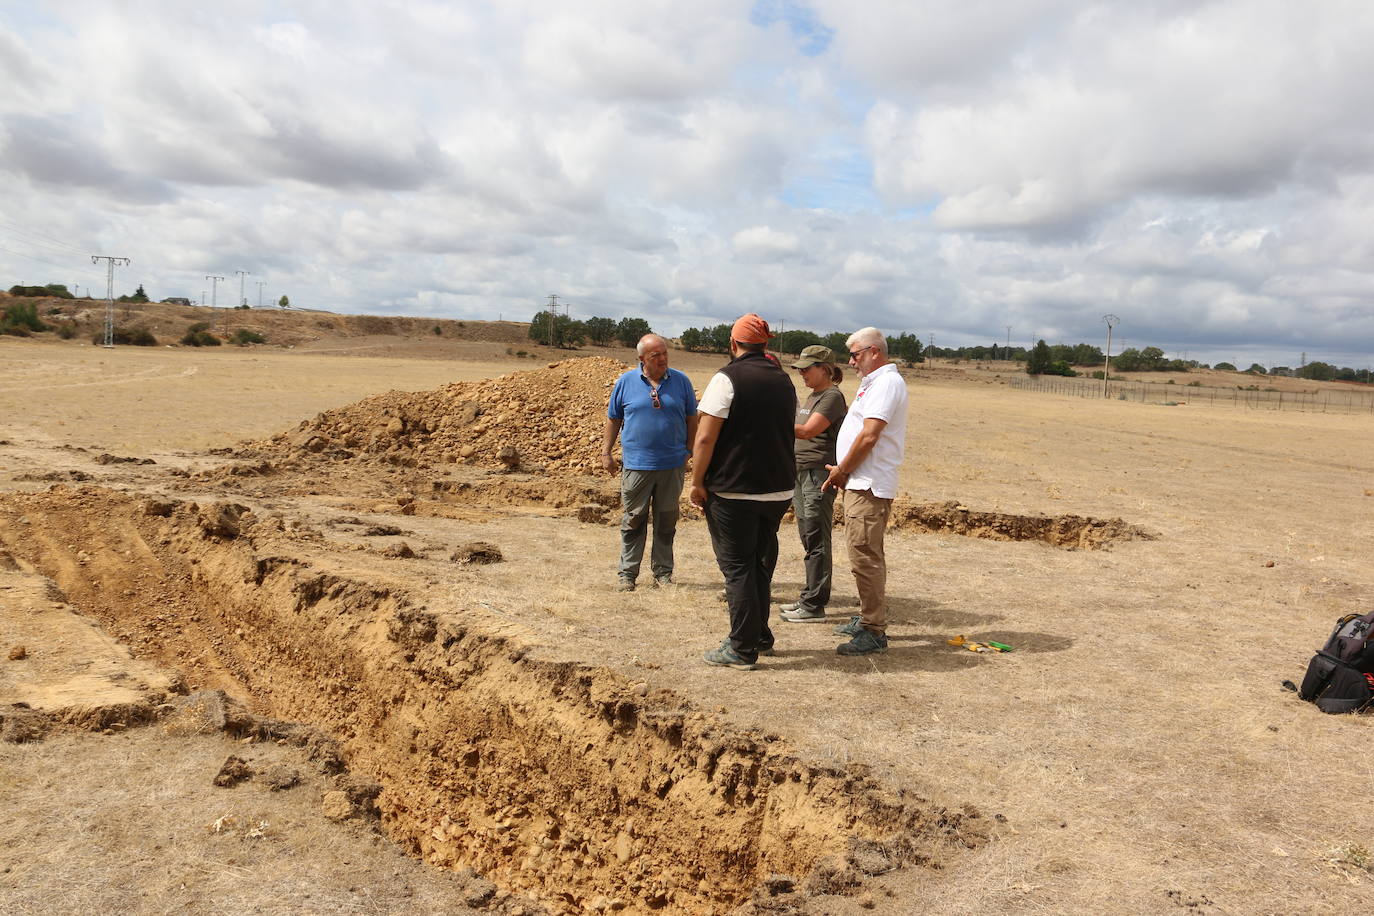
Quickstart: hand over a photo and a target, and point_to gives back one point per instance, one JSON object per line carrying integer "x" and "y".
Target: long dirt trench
{"x": 555, "y": 779}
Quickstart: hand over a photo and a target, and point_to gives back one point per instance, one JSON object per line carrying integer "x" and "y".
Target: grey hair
{"x": 639, "y": 347}
{"x": 868, "y": 337}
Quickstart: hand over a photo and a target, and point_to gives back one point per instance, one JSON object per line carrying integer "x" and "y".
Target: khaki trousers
{"x": 865, "y": 521}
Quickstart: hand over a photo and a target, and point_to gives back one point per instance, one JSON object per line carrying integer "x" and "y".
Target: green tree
{"x": 629, "y": 330}
{"x": 1225, "y": 367}
{"x": 555, "y": 329}
{"x": 905, "y": 346}
{"x": 1039, "y": 362}
{"x": 795, "y": 341}
{"x": 1318, "y": 371}
{"x": 600, "y": 331}
{"x": 1152, "y": 359}
{"x": 1256, "y": 369}
{"x": 836, "y": 340}
{"x": 284, "y": 302}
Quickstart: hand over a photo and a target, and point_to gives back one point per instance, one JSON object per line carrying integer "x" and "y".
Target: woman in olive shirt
{"x": 818, "y": 424}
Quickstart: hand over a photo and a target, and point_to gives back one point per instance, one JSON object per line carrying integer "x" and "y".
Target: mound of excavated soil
{"x": 548, "y": 419}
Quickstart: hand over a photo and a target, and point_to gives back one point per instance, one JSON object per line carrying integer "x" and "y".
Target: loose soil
{"x": 1134, "y": 753}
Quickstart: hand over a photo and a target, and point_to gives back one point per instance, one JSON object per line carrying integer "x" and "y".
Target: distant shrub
{"x": 520, "y": 353}
{"x": 1195, "y": 384}
{"x": 198, "y": 326}
{"x": 438, "y": 331}
{"x": 20, "y": 319}
{"x": 243, "y": 337}
{"x": 66, "y": 331}
{"x": 126, "y": 337}
{"x": 200, "y": 339}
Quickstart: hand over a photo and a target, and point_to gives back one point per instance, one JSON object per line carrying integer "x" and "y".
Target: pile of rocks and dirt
{"x": 548, "y": 419}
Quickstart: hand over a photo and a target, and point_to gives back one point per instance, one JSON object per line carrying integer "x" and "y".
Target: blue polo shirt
{"x": 653, "y": 438}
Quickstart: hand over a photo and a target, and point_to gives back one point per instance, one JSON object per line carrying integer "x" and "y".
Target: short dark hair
{"x": 751, "y": 347}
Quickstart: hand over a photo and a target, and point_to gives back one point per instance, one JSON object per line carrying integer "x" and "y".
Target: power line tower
{"x": 1107, "y": 361}
{"x": 109, "y": 293}
{"x": 553, "y": 319}
{"x": 214, "y": 293}
{"x": 261, "y": 284}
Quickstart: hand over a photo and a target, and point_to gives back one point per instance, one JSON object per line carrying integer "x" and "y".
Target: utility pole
{"x": 242, "y": 274}
{"x": 214, "y": 294}
{"x": 1008, "y": 341}
{"x": 109, "y": 293}
{"x": 261, "y": 284}
{"x": 553, "y": 320}
{"x": 1107, "y": 361}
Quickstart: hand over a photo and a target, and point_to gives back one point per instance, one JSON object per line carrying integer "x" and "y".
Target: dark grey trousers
{"x": 642, "y": 494}
{"x": 744, "y": 534}
{"x": 815, "y": 513}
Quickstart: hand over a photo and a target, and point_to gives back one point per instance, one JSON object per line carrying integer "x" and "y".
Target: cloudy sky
{"x": 1202, "y": 170}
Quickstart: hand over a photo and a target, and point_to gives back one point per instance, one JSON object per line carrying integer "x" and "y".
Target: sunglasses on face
{"x": 854, "y": 354}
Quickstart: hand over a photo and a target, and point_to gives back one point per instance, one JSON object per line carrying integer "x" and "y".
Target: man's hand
{"x": 608, "y": 463}
{"x": 836, "y": 480}
{"x": 697, "y": 496}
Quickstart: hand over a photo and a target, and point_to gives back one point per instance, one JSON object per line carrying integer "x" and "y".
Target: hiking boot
{"x": 625, "y": 584}
{"x": 795, "y": 613}
{"x": 727, "y": 657}
{"x": 853, "y": 628}
{"x": 663, "y": 581}
{"x": 865, "y": 643}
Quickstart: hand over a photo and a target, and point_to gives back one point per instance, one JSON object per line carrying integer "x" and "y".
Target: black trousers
{"x": 744, "y": 535}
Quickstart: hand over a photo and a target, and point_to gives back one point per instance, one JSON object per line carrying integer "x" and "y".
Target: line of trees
{"x": 717, "y": 340}
{"x": 555, "y": 329}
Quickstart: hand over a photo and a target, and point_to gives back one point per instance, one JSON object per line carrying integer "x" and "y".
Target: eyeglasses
{"x": 854, "y": 354}
{"x": 653, "y": 396}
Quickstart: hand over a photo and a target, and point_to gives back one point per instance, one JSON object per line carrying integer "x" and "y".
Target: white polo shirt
{"x": 881, "y": 395}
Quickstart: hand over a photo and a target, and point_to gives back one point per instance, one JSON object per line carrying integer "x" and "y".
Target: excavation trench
{"x": 555, "y": 779}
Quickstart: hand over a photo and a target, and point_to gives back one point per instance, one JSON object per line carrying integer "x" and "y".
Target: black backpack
{"x": 1340, "y": 677}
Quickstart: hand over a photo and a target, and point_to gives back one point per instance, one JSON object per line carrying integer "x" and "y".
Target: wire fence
{"x": 1355, "y": 400}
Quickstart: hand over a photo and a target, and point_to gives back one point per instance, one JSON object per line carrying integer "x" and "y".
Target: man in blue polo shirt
{"x": 653, "y": 410}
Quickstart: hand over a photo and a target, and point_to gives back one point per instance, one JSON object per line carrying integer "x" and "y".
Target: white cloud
{"x": 1201, "y": 170}
{"x": 763, "y": 244}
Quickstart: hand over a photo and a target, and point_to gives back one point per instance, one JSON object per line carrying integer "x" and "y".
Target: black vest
{"x": 754, "y": 452}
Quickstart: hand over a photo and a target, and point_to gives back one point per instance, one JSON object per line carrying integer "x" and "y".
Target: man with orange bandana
{"x": 743, "y": 474}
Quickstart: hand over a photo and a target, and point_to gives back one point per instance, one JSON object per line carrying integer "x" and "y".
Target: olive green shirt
{"x": 819, "y": 451}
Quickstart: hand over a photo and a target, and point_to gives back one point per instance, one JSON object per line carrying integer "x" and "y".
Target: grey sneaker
{"x": 625, "y": 584}
{"x": 794, "y": 613}
{"x": 727, "y": 657}
{"x": 663, "y": 581}
{"x": 865, "y": 643}
{"x": 853, "y": 628}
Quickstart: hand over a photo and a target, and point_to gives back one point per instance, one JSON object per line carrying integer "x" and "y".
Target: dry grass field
{"x": 1134, "y": 754}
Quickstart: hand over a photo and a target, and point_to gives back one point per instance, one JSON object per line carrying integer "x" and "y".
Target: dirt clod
{"x": 223, "y": 520}
{"x": 477, "y": 552}
{"x": 279, "y": 777}
{"x": 234, "y": 771}
{"x": 18, "y": 653}
{"x": 19, "y": 724}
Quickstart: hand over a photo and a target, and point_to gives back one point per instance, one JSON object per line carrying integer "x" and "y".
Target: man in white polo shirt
{"x": 870, "y": 447}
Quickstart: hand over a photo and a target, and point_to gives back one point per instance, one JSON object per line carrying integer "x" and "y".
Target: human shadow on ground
{"x": 918, "y": 640}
